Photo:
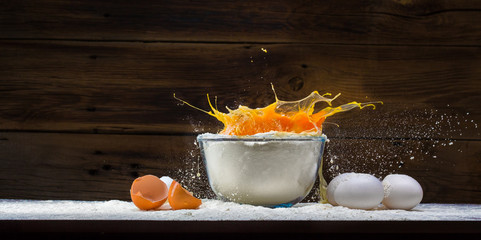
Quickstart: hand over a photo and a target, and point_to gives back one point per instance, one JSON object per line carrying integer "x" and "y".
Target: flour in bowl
{"x": 265, "y": 169}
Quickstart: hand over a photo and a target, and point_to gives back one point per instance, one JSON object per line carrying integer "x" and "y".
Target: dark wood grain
{"x": 426, "y": 22}
{"x": 86, "y": 88}
{"x": 103, "y": 166}
{"x": 95, "y": 87}
{"x": 87, "y": 166}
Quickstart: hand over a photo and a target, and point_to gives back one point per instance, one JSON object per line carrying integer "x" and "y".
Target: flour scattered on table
{"x": 216, "y": 210}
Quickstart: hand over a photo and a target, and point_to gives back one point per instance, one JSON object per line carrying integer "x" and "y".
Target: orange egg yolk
{"x": 281, "y": 116}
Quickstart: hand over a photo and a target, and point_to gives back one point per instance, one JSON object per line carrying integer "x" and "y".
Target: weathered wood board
{"x": 425, "y": 22}
{"x": 129, "y": 87}
{"x": 103, "y": 166}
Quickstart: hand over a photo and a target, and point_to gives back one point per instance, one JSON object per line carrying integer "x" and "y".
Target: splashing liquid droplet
{"x": 281, "y": 116}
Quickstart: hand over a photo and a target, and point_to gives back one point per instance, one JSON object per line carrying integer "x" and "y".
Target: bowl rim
{"x": 252, "y": 138}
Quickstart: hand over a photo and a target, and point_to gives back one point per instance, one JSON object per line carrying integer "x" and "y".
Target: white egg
{"x": 167, "y": 180}
{"x": 355, "y": 190}
{"x": 401, "y": 192}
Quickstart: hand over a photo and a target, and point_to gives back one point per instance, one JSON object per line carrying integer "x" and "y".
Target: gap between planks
{"x": 237, "y": 42}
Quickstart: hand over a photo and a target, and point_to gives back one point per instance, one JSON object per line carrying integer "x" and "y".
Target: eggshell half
{"x": 180, "y": 198}
{"x": 401, "y": 192}
{"x": 356, "y": 190}
{"x": 148, "y": 192}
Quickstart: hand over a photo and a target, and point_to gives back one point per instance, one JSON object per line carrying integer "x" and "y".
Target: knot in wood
{"x": 296, "y": 83}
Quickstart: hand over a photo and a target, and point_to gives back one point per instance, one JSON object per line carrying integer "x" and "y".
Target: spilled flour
{"x": 216, "y": 210}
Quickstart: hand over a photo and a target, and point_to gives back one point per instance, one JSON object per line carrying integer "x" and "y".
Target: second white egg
{"x": 401, "y": 192}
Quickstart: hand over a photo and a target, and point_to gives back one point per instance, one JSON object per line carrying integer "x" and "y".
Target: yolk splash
{"x": 281, "y": 116}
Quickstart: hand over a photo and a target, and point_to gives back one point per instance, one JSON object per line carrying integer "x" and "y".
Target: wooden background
{"x": 86, "y": 88}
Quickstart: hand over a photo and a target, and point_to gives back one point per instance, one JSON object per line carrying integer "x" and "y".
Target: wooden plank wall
{"x": 86, "y": 88}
